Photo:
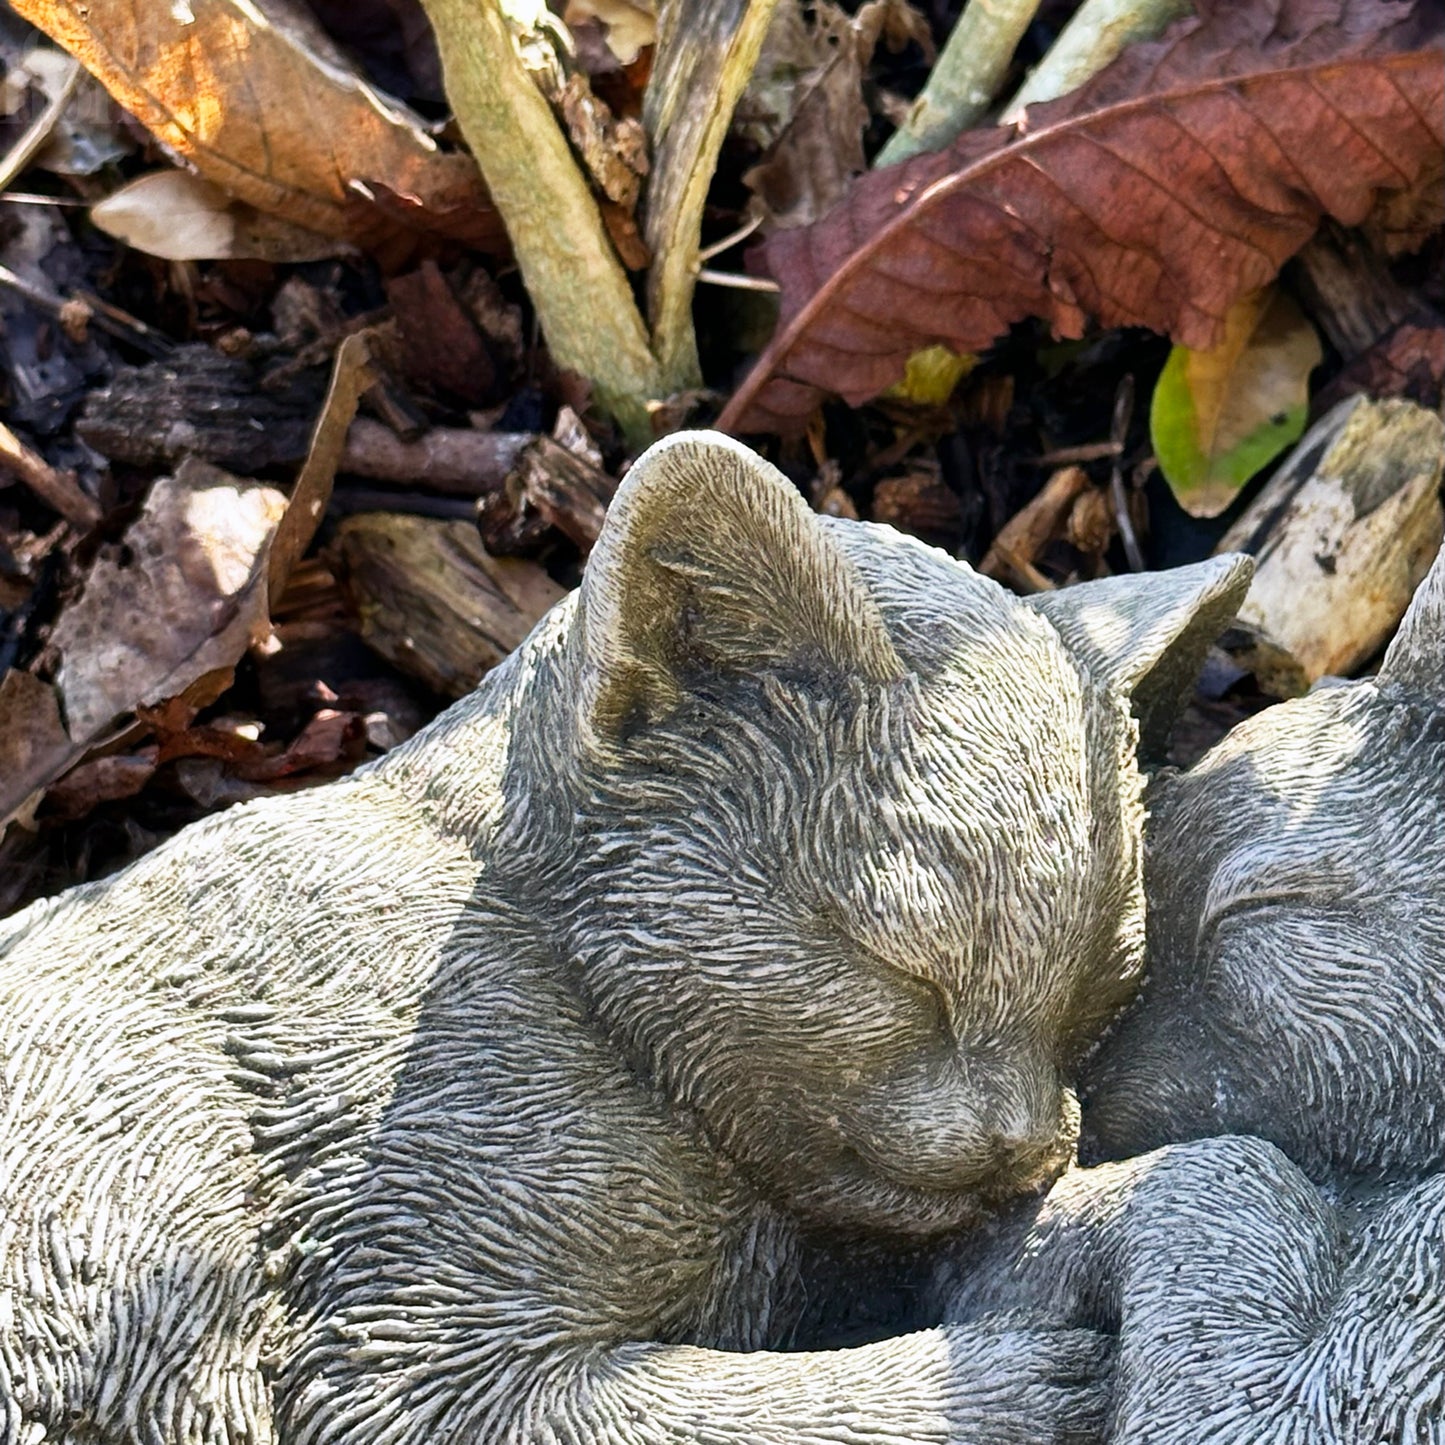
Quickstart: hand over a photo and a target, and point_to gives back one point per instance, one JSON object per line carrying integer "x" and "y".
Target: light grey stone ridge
{"x": 647, "y": 1017}
{"x": 1287, "y": 1287}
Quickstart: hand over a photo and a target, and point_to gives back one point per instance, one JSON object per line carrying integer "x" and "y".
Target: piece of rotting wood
{"x": 566, "y": 489}
{"x": 433, "y": 601}
{"x": 1348, "y": 289}
{"x": 554, "y": 481}
{"x": 199, "y": 403}
{"x": 1342, "y": 534}
{"x": 1015, "y": 550}
{"x": 456, "y": 461}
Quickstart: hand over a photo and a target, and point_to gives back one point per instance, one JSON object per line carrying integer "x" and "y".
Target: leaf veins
{"x": 1179, "y": 178}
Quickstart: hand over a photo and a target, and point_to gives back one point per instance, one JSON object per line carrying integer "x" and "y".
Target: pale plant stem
{"x": 706, "y": 52}
{"x": 580, "y": 291}
{"x": 967, "y": 76}
{"x": 707, "y": 277}
{"x": 1098, "y": 31}
{"x": 735, "y": 238}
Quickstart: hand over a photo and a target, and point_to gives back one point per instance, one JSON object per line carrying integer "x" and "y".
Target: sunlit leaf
{"x": 1220, "y": 415}
{"x": 256, "y": 98}
{"x": 1181, "y": 177}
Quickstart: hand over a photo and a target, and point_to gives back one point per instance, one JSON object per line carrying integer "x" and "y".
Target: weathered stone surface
{"x": 511, "y": 1089}
{"x": 1249, "y": 1304}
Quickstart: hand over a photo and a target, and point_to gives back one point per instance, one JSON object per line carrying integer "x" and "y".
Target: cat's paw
{"x": 1035, "y": 1385}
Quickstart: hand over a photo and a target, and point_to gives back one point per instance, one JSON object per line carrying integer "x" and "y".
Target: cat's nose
{"x": 1019, "y": 1156}
{"x": 963, "y": 1157}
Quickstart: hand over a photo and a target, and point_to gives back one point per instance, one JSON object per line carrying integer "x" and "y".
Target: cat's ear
{"x": 710, "y": 561}
{"x": 1146, "y": 634}
{"x": 1415, "y": 661}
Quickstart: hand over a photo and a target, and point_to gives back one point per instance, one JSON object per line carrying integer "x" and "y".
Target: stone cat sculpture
{"x": 1290, "y": 1286}
{"x": 766, "y": 894}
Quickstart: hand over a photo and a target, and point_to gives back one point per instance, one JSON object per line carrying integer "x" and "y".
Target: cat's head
{"x": 856, "y": 833}
{"x": 1296, "y": 887}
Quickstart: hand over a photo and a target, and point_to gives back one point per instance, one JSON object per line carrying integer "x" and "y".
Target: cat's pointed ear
{"x": 1415, "y": 661}
{"x": 1146, "y": 634}
{"x": 711, "y": 561}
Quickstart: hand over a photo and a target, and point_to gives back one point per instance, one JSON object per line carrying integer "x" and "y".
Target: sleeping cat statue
{"x": 520, "y": 1087}
{"x": 1286, "y": 1284}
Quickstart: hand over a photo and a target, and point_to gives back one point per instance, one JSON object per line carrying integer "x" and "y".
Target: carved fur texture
{"x": 1288, "y": 1287}
{"x": 504, "y": 1091}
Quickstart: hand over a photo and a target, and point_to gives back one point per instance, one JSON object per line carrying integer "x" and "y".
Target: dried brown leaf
{"x": 256, "y": 99}
{"x": 1182, "y": 176}
{"x": 440, "y": 346}
{"x": 168, "y": 611}
{"x": 34, "y": 745}
{"x": 807, "y": 168}
{"x": 815, "y": 66}
{"x": 330, "y": 738}
{"x": 351, "y": 375}
{"x": 102, "y": 780}
{"x": 181, "y": 597}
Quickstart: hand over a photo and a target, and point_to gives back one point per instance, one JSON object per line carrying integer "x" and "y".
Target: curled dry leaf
{"x": 1218, "y": 416}
{"x": 258, "y": 101}
{"x": 351, "y": 375}
{"x": 631, "y": 25}
{"x": 181, "y": 217}
{"x": 1180, "y": 178}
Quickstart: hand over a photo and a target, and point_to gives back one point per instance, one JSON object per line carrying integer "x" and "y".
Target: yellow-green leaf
{"x": 931, "y": 375}
{"x": 1220, "y": 415}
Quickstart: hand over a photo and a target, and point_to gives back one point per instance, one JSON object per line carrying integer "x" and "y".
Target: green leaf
{"x": 1220, "y": 415}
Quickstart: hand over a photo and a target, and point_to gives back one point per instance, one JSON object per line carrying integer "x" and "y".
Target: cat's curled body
{"x": 768, "y": 891}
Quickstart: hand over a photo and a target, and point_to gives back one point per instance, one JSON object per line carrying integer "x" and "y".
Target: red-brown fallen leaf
{"x": 1183, "y": 175}
{"x": 329, "y": 738}
{"x": 440, "y": 346}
